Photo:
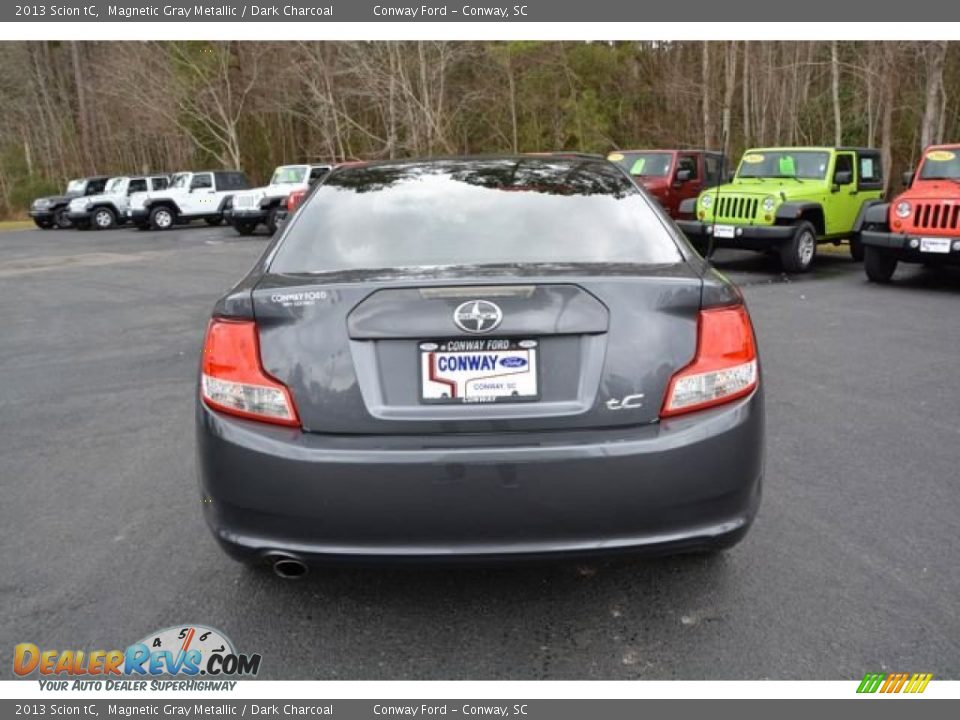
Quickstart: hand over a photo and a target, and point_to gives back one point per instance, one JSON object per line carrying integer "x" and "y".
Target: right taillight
{"x": 724, "y": 367}
{"x": 294, "y": 199}
{"x": 233, "y": 381}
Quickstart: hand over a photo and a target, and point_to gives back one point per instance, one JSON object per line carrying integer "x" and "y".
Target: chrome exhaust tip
{"x": 289, "y": 568}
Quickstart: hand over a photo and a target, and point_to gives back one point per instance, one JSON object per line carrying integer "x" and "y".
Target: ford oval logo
{"x": 513, "y": 362}
{"x": 477, "y": 316}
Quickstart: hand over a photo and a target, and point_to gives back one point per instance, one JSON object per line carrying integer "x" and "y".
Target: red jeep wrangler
{"x": 672, "y": 176}
{"x": 921, "y": 225}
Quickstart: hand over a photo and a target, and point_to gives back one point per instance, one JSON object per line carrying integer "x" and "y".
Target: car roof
{"x": 821, "y": 148}
{"x": 669, "y": 150}
{"x": 544, "y": 158}
{"x": 568, "y": 154}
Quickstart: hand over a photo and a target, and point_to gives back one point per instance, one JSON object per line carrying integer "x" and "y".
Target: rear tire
{"x": 272, "y": 221}
{"x": 162, "y": 218}
{"x": 797, "y": 255}
{"x": 879, "y": 264}
{"x": 856, "y": 248}
{"x": 104, "y": 218}
{"x": 61, "y": 220}
{"x": 245, "y": 228}
{"x": 43, "y": 224}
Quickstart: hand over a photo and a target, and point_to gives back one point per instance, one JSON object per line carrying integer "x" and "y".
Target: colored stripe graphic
{"x": 870, "y": 683}
{"x": 894, "y": 683}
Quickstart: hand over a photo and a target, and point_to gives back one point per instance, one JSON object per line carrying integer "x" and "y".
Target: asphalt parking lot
{"x": 851, "y": 567}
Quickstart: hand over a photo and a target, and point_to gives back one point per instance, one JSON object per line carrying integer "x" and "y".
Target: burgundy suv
{"x": 672, "y": 176}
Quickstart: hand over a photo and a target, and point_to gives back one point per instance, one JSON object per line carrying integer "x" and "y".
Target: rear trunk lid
{"x": 356, "y": 348}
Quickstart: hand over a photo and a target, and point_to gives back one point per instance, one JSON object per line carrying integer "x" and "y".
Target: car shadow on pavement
{"x": 919, "y": 277}
{"x": 765, "y": 267}
{"x": 518, "y": 621}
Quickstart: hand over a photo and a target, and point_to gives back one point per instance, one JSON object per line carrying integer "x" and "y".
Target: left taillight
{"x": 294, "y": 199}
{"x": 725, "y": 365}
{"x": 233, "y": 381}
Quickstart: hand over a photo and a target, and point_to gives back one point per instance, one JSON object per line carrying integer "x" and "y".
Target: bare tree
{"x": 70, "y": 109}
{"x": 705, "y": 90}
{"x": 730, "y": 85}
{"x": 934, "y": 55}
{"x": 835, "y": 93}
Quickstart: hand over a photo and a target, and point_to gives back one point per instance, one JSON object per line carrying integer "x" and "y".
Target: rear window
{"x": 643, "y": 164}
{"x": 476, "y": 212}
{"x": 96, "y": 186}
{"x": 231, "y": 181}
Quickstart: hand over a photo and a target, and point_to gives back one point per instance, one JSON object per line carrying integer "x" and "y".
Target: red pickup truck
{"x": 672, "y": 176}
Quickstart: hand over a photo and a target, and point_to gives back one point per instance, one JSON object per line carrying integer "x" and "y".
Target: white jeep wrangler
{"x": 190, "y": 196}
{"x": 260, "y": 205}
{"x": 109, "y": 208}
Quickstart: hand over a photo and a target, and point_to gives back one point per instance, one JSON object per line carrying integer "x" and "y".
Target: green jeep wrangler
{"x": 788, "y": 200}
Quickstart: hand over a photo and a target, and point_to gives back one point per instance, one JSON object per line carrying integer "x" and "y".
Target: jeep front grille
{"x": 736, "y": 207}
{"x": 936, "y": 216}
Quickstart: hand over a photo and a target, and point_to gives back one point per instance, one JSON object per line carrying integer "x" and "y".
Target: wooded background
{"x": 70, "y": 109}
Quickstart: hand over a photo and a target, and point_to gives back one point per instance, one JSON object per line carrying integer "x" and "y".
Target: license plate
{"x": 473, "y": 370}
{"x": 724, "y": 231}
{"x": 935, "y": 245}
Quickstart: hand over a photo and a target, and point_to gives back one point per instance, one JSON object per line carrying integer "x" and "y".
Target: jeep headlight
{"x": 706, "y": 201}
{"x": 41, "y": 203}
{"x": 769, "y": 203}
{"x": 903, "y": 209}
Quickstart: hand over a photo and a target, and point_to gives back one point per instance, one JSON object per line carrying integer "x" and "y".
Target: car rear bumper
{"x": 689, "y": 483}
{"x": 747, "y": 237}
{"x": 899, "y": 244}
{"x": 245, "y": 215}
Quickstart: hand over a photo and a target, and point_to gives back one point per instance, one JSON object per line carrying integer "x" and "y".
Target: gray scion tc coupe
{"x": 478, "y": 358}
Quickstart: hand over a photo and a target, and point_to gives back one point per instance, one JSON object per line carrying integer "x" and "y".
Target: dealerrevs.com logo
{"x": 188, "y": 652}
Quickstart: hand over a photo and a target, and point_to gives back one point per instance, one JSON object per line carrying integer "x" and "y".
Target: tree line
{"x": 80, "y": 108}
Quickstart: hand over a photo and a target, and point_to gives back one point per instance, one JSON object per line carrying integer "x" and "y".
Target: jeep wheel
{"x": 213, "y": 222}
{"x": 104, "y": 218}
{"x": 43, "y": 224}
{"x": 796, "y": 255}
{"x": 880, "y": 264}
{"x": 245, "y": 228}
{"x": 161, "y": 218}
{"x": 61, "y": 220}
{"x": 856, "y": 248}
{"x": 272, "y": 220}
